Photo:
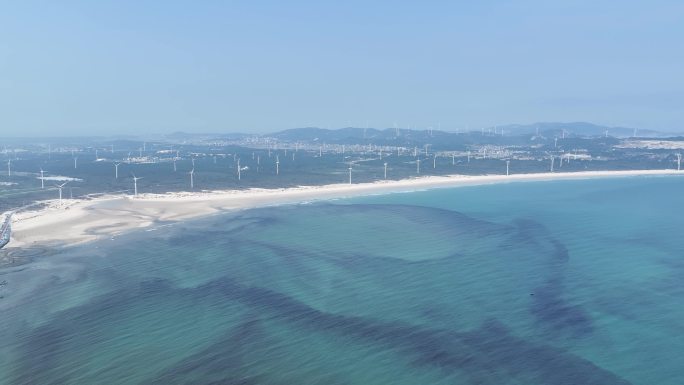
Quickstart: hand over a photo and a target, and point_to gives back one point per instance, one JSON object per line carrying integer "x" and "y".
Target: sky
{"x": 142, "y": 67}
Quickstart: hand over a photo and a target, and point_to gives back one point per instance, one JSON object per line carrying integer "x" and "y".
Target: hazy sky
{"x": 99, "y": 67}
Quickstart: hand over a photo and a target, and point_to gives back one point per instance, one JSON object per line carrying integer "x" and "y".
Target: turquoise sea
{"x": 563, "y": 282}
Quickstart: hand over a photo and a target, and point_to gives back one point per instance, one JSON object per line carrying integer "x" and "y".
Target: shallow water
{"x": 568, "y": 282}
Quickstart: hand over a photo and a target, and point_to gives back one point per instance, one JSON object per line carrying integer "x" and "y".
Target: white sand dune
{"x": 77, "y": 221}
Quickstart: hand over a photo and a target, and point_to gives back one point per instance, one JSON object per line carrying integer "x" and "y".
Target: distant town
{"x": 39, "y": 169}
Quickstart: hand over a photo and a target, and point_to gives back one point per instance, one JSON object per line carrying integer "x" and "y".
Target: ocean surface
{"x": 564, "y": 282}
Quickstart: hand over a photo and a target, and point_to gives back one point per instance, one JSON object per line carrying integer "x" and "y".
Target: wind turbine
{"x": 42, "y": 179}
{"x": 418, "y": 166}
{"x": 508, "y": 163}
{"x": 453, "y": 159}
{"x": 468, "y": 156}
{"x": 277, "y": 165}
{"x": 60, "y": 186}
{"x": 679, "y": 162}
{"x": 75, "y": 162}
{"x": 553, "y": 159}
{"x": 238, "y": 169}
{"x": 192, "y": 179}
{"x": 434, "y": 161}
{"x": 116, "y": 170}
{"x": 174, "y": 164}
{"x": 350, "y": 170}
{"x": 9, "y": 167}
{"x": 135, "y": 185}
{"x": 385, "y": 170}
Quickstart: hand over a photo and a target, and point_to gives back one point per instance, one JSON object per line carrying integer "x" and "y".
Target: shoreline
{"x": 79, "y": 221}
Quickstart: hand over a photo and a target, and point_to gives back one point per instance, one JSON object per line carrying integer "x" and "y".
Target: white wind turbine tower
{"x": 468, "y": 156}
{"x": 434, "y": 161}
{"x": 174, "y": 164}
{"x": 239, "y": 171}
{"x": 417, "y": 166}
{"x": 75, "y": 162}
{"x": 508, "y": 163}
{"x": 116, "y": 170}
{"x": 679, "y": 162}
{"x": 553, "y": 159}
{"x": 135, "y": 185}
{"x": 453, "y": 159}
{"x": 60, "y": 186}
{"x": 277, "y": 165}
{"x": 385, "y": 170}
{"x": 192, "y": 179}
{"x": 42, "y": 179}
{"x": 350, "y": 170}
{"x": 9, "y": 167}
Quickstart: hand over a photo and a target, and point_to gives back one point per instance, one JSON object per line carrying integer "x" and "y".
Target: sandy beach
{"x": 77, "y": 221}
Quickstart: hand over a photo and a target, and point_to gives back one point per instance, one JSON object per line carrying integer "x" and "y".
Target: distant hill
{"x": 581, "y": 129}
